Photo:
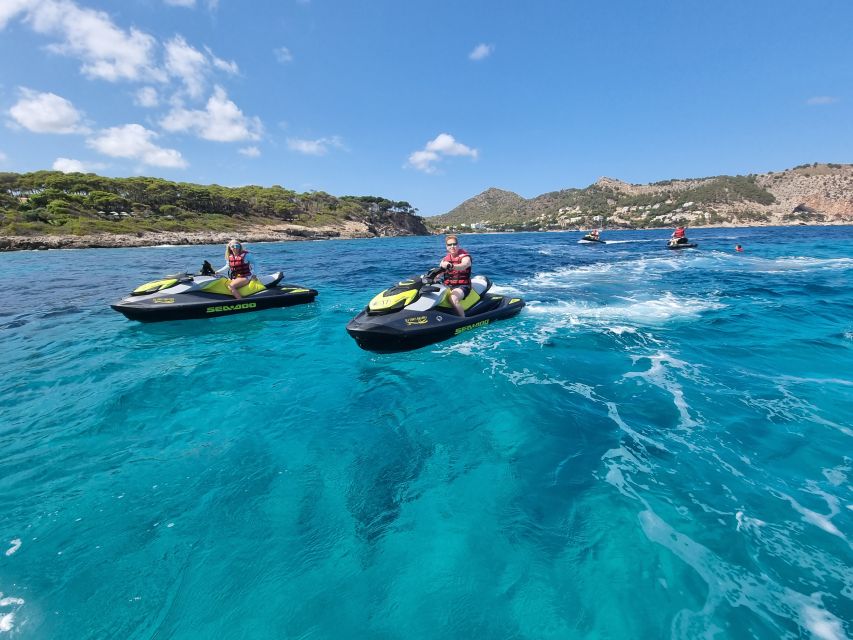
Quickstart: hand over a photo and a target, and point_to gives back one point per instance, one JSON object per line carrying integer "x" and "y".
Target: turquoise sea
{"x": 659, "y": 446}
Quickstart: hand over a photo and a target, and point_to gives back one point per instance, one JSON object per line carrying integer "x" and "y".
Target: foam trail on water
{"x": 645, "y": 312}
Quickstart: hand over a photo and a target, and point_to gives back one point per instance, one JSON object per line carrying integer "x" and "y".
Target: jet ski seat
{"x": 271, "y": 280}
{"x": 479, "y": 286}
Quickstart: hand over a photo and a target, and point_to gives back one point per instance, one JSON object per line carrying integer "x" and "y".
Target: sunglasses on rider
{"x": 452, "y": 244}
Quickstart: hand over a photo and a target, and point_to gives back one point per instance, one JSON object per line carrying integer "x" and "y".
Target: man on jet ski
{"x": 457, "y": 276}
{"x": 239, "y": 265}
{"x": 678, "y": 236}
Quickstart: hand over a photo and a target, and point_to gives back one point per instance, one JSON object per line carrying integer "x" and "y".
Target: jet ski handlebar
{"x": 432, "y": 274}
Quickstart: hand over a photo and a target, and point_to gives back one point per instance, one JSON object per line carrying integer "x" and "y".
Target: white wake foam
{"x": 643, "y": 312}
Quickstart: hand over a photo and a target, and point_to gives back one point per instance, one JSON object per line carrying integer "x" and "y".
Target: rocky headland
{"x": 54, "y": 210}
{"x": 808, "y": 194}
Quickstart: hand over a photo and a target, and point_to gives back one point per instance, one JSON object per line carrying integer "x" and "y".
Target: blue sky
{"x": 426, "y": 101}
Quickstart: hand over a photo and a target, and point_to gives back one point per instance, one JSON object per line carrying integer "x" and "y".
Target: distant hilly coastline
{"x": 807, "y": 194}
{"x": 53, "y": 210}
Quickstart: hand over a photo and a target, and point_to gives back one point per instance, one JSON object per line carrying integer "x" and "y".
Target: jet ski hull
{"x": 683, "y": 245}
{"x": 199, "y": 304}
{"x": 409, "y": 329}
{"x": 586, "y": 240}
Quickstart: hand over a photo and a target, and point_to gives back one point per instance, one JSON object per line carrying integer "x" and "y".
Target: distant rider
{"x": 457, "y": 276}
{"x": 594, "y": 234}
{"x": 678, "y": 236}
{"x": 239, "y": 265}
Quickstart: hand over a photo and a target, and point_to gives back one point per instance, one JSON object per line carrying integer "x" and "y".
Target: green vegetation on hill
{"x": 50, "y": 202}
{"x": 609, "y": 203}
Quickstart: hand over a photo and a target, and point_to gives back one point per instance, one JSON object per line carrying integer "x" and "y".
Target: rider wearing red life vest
{"x": 239, "y": 266}
{"x": 457, "y": 276}
{"x": 679, "y": 232}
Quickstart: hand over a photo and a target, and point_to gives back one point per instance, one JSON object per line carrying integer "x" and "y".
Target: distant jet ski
{"x": 681, "y": 243}
{"x": 417, "y": 312}
{"x": 186, "y": 296}
{"x": 589, "y": 239}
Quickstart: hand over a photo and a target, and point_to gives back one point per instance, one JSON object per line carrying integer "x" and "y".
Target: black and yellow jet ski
{"x": 417, "y": 312}
{"x": 591, "y": 239}
{"x": 681, "y": 243}
{"x": 185, "y": 296}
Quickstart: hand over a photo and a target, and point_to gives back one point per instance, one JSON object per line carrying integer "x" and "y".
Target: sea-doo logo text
{"x": 418, "y": 320}
{"x": 481, "y": 323}
{"x": 232, "y": 307}
{"x": 164, "y": 300}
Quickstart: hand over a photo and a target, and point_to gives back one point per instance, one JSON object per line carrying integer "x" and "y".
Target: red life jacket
{"x": 458, "y": 278}
{"x": 238, "y": 267}
{"x": 679, "y": 233}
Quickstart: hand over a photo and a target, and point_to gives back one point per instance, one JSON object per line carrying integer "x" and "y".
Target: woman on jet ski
{"x": 457, "y": 276}
{"x": 239, "y": 265}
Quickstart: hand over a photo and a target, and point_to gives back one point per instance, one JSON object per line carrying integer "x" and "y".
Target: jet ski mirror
{"x": 207, "y": 269}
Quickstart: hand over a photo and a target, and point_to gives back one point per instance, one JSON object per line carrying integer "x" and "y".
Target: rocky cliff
{"x": 808, "y": 194}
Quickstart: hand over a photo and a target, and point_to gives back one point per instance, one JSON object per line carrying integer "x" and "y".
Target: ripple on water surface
{"x": 658, "y": 445}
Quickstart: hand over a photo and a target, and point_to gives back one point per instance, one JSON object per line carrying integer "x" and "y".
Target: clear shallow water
{"x": 660, "y": 445}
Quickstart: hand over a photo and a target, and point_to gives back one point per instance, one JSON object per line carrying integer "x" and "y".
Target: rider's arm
{"x": 464, "y": 264}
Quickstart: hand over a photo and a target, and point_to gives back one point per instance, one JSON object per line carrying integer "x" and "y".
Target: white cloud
{"x": 107, "y": 51}
{"x": 180, "y": 3}
{"x": 423, "y": 161}
{"x": 146, "y": 97}
{"x": 191, "y": 66}
{"x": 446, "y": 144}
{"x": 135, "y": 141}
{"x": 220, "y": 121}
{"x": 46, "y": 113}
{"x": 443, "y": 145}
{"x": 228, "y": 66}
{"x": 318, "y": 147}
{"x": 11, "y": 8}
{"x": 251, "y": 152}
{"x": 481, "y": 52}
{"x": 821, "y": 100}
{"x": 186, "y": 63}
{"x": 69, "y": 165}
{"x": 283, "y": 55}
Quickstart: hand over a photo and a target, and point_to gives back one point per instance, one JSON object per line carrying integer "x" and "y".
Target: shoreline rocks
{"x": 280, "y": 233}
